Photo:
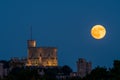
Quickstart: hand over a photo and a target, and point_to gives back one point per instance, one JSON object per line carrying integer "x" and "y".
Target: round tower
{"x": 31, "y": 43}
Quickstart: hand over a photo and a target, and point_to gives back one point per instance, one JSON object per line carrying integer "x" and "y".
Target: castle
{"x": 41, "y": 56}
{"x": 83, "y": 67}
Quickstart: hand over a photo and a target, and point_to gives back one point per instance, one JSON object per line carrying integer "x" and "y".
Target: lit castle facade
{"x": 41, "y": 56}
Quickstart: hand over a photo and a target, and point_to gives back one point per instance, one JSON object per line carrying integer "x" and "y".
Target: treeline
{"x": 98, "y": 73}
{"x": 103, "y": 73}
{"x": 37, "y": 73}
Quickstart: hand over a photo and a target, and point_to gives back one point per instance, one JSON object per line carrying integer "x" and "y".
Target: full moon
{"x": 98, "y": 31}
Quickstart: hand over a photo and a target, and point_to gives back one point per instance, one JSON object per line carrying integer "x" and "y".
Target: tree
{"x": 66, "y": 70}
{"x": 115, "y": 71}
{"x": 99, "y": 73}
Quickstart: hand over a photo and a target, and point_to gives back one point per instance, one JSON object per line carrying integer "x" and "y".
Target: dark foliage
{"x": 99, "y": 73}
{"x": 66, "y": 70}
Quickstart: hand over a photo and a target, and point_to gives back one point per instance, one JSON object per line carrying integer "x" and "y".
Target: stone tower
{"x": 41, "y": 56}
{"x": 83, "y": 67}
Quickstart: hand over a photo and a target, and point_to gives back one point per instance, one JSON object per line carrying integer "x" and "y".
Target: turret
{"x": 31, "y": 43}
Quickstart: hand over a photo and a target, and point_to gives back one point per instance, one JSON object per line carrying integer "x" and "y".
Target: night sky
{"x": 62, "y": 24}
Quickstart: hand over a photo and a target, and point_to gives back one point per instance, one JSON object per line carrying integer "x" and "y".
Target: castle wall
{"x": 41, "y": 56}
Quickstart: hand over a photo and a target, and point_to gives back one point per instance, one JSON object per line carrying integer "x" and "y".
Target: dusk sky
{"x": 64, "y": 24}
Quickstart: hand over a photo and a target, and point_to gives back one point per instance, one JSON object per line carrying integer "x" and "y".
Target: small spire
{"x": 31, "y": 32}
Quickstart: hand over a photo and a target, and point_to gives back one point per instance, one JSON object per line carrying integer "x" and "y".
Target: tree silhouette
{"x": 99, "y": 73}
{"x": 66, "y": 70}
